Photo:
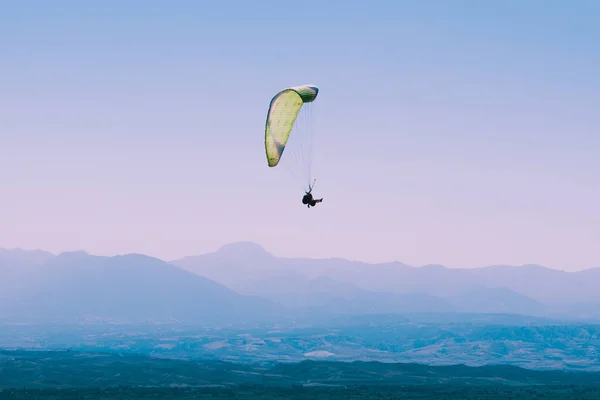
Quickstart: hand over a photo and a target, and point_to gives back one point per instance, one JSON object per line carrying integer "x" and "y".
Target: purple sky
{"x": 464, "y": 133}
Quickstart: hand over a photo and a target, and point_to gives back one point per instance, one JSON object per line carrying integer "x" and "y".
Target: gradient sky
{"x": 464, "y": 133}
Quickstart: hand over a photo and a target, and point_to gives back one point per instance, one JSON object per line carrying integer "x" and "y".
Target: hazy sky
{"x": 457, "y": 132}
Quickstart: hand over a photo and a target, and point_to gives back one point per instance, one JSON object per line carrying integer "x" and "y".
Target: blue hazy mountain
{"x": 16, "y": 265}
{"x": 305, "y": 309}
{"x": 133, "y": 287}
{"x": 244, "y": 276}
{"x": 529, "y": 289}
{"x": 478, "y": 299}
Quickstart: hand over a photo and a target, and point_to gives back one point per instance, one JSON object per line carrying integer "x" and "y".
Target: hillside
{"x": 78, "y": 286}
{"x": 527, "y": 289}
{"x": 250, "y": 283}
{"x": 81, "y": 370}
{"x": 432, "y": 339}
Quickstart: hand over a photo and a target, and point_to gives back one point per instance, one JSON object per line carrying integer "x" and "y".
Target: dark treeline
{"x": 429, "y": 392}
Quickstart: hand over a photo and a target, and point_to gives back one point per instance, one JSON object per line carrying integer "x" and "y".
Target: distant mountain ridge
{"x": 247, "y": 281}
{"x": 75, "y": 285}
{"x": 528, "y": 289}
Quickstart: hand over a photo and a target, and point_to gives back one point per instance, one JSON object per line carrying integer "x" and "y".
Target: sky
{"x": 462, "y": 133}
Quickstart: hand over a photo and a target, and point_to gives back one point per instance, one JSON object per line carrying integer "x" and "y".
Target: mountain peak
{"x": 22, "y": 255}
{"x": 70, "y": 256}
{"x": 434, "y": 267}
{"x": 74, "y": 253}
{"x": 245, "y": 249}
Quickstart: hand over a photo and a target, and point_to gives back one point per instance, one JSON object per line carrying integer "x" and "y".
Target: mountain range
{"x": 74, "y": 286}
{"x": 330, "y": 283}
{"x": 243, "y": 282}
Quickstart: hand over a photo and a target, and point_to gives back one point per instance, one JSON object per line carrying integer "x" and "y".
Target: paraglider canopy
{"x": 282, "y": 114}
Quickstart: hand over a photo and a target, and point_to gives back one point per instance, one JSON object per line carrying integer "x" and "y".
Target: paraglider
{"x": 282, "y": 117}
{"x": 308, "y": 198}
